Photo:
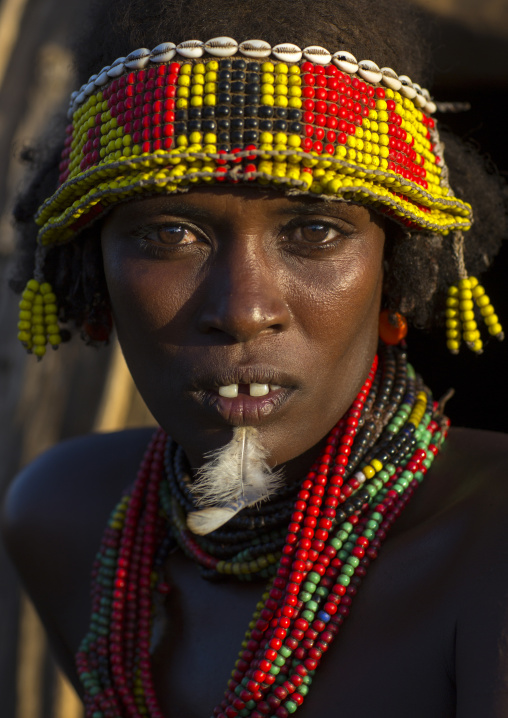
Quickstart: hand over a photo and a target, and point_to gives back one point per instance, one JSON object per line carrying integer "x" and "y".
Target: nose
{"x": 243, "y": 296}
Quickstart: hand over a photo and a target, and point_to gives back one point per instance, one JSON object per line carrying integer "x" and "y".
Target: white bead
{"x": 90, "y": 89}
{"x": 80, "y": 98}
{"x": 102, "y": 77}
{"x": 117, "y": 68}
{"x": 430, "y": 107}
{"x": 221, "y": 46}
{"x": 390, "y": 79}
{"x": 255, "y": 48}
{"x": 163, "y": 52}
{"x": 190, "y": 49}
{"x": 407, "y": 88}
{"x": 420, "y": 100}
{"x": 286, "y": 52}
{"x": 370, "y": 71}
{"x": 138, "y": 59}
{"x": 345, "y": 61}
{"x": 317, "y": 54}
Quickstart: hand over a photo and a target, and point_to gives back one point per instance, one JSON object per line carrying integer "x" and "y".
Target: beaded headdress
{"x": 301, "y": 121}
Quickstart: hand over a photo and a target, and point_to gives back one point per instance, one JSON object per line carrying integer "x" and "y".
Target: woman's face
{"x": 221, "y": 287}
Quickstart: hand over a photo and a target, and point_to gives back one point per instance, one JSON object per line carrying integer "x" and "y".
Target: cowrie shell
{"x": 80, "y": 98}
{"x": 390, "y": 79}
{"x": 117, "y": 68}
{"x": 369, "y": 71}
{"x": 221, "y": 46}
{"x": 255, "y": 48}
{"x": 190, "y": 49}
{"x": 317, "y": 54}
{"x": 138, "y": 59}
{"x": 90, "y": 89}
{"x": 430, "y": 107}
{"x": 163, "y": 52}
{"x": 420, "y": 100}
{"x": 407, "y": 88}
{"x": 102, "y": 77}
{"x": 345, "y": 61}
{"x": 287, "y": 52}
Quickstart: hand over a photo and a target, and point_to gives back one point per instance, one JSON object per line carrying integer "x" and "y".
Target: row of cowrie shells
{"x": 256, "y": 49}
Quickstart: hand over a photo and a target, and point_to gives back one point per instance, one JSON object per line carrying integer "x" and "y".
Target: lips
{"x": 245, "y": 396}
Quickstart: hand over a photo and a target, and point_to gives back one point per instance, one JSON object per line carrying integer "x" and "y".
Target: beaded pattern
{"x": 301, "y": 127}
{"x": 374, "y": 460}
{"x": 460, "y": 315}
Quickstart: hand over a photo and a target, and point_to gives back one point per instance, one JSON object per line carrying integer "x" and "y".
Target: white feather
{"x": 236, "y": 476}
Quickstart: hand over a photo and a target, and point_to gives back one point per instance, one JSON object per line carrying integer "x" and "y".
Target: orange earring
{"x": 392, "y": 326}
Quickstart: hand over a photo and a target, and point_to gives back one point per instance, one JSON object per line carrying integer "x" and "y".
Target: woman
{"x": 249, "y": 234}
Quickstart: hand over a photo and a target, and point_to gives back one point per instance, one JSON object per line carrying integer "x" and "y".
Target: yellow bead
{"x": 477, "y": 346}
{"x": 465, "y": 284}
{"x": 470, "y": 326}
{"x": 376, "y": 464}
{"x": 453, "y": 291}
{"x": 453, "y": 334}
{"x": 24, "y": 336}
{"x": 483, "y": 300}
{"x": 495, "y": 329}
{"x": 54, "y": 339}
{"x": 465, "y": 294}
{"x": 487, "y": 311}
{"x": 369, "y": 472}
{"x": 466, "y": 305}
{"x": 39, "y": 350}
{"x": 491, "y": 320}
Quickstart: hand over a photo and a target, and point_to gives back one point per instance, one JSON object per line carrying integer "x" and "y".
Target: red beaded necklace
{"x": 342, "y": 513}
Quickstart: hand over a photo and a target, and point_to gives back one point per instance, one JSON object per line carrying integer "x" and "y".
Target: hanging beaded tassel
{"x": 373, "y": 461}
{"x": 38, "y": 314}
{"x": 460, "y": 308}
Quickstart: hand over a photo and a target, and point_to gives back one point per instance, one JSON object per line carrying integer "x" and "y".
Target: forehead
{"x": 209, "y": 203}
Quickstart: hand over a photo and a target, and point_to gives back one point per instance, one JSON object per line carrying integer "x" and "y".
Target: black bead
{"x": 282, "y": 113}
{"x": 194, "y": 125}
{"x": 251, "y": 123}
{"x": 236, "y": 136}
{"x": 252, "y": 77}
{"x": 224, "y": 86}
{"x": 237, "y": 112}
{"x": 209, "y": 125}
{"x": 253, "y": 88}
{"x": 254, "y": 67}
{"x": 180, "y": 128}
{"x": 222, "y": 111}
{"x": 250, "y": 136}
{"x": 280, "y": 125}
{"x": 294, "y": 114}
{"x": 223, "y": 137}
{"x": 266, "y": 125}
{"x": 238, "y": 86}
{"x": 253, "y": 100}
{"x": 180, "y": 115}
{"x": 208, "y": 111}
{"x": 195, "y": 113}
{"x": 239, "y": 100}
{"x": 239, "y": 64}
{"x": 225, "y": 143}
{"x": 224, "y": 98}
{"x": 266, "y": 111}
{"x": 225, "y": 64}
{"x": 295, "y": 127}
{"x": 250, "y": 110}
{"x": 224, "y": 124}
{"x": 238, "y": 75}
{"x": 237, "y": 123}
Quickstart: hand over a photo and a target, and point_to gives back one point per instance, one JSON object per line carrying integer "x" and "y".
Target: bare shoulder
{"x": 53, "y": 518}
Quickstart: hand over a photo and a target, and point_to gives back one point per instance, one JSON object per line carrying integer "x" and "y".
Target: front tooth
{"x": 274, "y": 387}
{"x": 259, "y": 389}
{"x": 230, "y": 391}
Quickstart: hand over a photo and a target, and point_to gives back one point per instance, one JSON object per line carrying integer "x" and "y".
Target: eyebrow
{"x": 321, "y": 207}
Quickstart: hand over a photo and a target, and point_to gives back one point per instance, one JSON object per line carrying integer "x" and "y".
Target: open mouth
{"x": 231, "y": 391}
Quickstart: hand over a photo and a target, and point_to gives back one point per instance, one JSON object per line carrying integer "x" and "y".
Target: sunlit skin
{"x": 222, "y": 286}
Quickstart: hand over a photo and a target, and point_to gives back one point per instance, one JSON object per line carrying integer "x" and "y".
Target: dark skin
{"x": 292, "y": 286}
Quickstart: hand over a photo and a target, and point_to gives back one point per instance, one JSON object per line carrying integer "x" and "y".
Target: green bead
{"x": 344, "y": 580}
{"x": 347, "y": 569}
{"x": 371, "y": 524}
{"x": 336, "y": 543}
{"x": 347, "y": 526}
{"x": 244, "y": 713}
{"x": 428, "y": 462}
{"x": 406, "y": 475}
{"x": 308, "y": 615}
{"x": 391, "y": 469}
{"x": 383, "y": 475}
{"x": 274, "y": 670}
{"x": 250, "y": 705}
{"x": 343, "y": 554}
{"x": 305, "y": 596}
{"x": 369, "y": 534}
{"x": 342, "y": 535}
{"x": 353, "y": 561}
{"x": 279, "y": 660}
{"x": 309, "y": 586}
{"x": 285, "y": 651}
{"x": 371, "y": 489}
{"x": 290, "y": 706}
{"x": 321, "y": 591}
{"x": 312, "y": 606}
{"x": 376, "y": 516}
{"x": 314, "y": 577}
{"x": 303, "y": 689}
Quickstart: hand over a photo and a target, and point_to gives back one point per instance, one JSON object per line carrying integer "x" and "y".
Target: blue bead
{"x": 323, "y": 616}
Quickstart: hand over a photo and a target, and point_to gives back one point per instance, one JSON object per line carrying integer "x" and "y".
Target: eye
{"x": 316, "y": 233}
{"x": 172, "y": 235}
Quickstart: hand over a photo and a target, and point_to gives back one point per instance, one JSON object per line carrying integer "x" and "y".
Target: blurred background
{"x": 80, "y": 390}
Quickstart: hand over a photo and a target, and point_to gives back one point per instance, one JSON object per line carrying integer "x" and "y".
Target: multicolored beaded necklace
{"x": 313, "y": 544}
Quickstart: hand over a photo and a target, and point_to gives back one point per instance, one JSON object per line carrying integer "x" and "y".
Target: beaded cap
{"x": 297, "y": 120}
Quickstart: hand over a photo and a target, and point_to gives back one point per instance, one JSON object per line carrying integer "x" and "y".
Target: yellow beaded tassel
{"x": 38, "y": 321}
{"x": 460, "y": 315}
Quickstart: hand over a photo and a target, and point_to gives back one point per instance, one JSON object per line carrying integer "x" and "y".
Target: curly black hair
{"x": 419, "y": 266}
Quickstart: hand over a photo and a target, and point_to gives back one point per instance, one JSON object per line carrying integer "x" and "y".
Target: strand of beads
{"x": 460, "y": 315}
{"x": 38, "y": 321}
{"x": 285, "y": 646}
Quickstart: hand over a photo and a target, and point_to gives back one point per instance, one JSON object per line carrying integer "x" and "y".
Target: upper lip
{"x": 243, "y": 375}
